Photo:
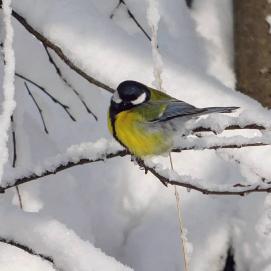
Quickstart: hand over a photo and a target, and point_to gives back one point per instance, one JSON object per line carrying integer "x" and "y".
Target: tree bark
{"x": 253, "y": 49}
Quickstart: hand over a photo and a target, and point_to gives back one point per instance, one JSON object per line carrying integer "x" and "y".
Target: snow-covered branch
{"x": 172, "y": 178}
{"x": 28, "y": 250}
{"x": 76, "y": 155}
{"x": 87, "y": 153}
{"x": 9, "y": 103}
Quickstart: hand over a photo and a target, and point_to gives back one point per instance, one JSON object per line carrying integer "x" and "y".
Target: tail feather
{"x": 230, "y": 109}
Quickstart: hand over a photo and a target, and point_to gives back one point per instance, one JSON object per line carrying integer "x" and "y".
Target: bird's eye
{"x": 140, "y": 99}
{"x": 116, "y": 98}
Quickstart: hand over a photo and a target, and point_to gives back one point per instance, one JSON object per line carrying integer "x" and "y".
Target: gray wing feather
{"x": 177, "y": 109}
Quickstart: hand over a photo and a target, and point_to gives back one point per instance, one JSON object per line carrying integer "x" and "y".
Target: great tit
{"x": 144, "y": 120}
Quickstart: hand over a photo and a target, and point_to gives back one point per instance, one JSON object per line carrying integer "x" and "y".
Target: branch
{"x": 38, "y": 107}
{"x": 114, "y": 10}
{"x": 15, "y": 158}
{"x": 216, "y": 147}
{"x": 64, "y": 106}
{"x": 28, "y": 250}
{"x": 19, "y": 197}
{"x": 131, "y": 15}
{"x": 58, "y": 51}
{"x": 59, "y": 73}
{"x": 60, "y": 167}
{"x": 71, "y": 161}
{"x": 13, "y": 142}
{"x": 236, "y": 189}
{"x": 231, "y": 127}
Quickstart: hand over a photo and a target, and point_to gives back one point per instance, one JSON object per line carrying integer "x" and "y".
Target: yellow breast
{"x": 135, "y": 134}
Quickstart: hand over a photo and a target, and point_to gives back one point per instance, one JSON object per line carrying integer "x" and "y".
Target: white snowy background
{"x": 110, "y": 215}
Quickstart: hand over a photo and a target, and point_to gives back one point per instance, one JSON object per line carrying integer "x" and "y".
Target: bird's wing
{"x": 174, "y": 109}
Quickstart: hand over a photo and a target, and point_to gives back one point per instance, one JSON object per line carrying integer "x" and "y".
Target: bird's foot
{"x": 141, "y": 164}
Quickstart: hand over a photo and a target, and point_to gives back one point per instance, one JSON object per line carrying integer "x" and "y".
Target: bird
{"x": 144, "y": 120}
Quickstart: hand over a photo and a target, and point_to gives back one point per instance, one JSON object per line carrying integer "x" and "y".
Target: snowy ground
{"x": 110, "y": 215}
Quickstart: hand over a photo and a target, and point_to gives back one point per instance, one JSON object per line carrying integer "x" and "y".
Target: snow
{"x": 153, "y": 20}
{"x": 91, "y": 151}
{"x": 13, "y": 258}
{"x": 218, "y": 34}
{"x": 268, "y": 19}
{"x": 212, "y": 141}
{"x": 8, "y": 103}
{"x": 112, "y": 206}
{"x": 50, "y": 238}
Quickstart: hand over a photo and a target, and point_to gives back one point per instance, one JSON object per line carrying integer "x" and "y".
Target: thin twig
{"x": 182, "y": 230}
{"x": 64, "y": 106}
{"x": 38, "y": 107}
{"x": 114, "y": 10}
{"x": 14, "y": 159}
{"x": 131, "y": 15}
{"x": 181, "y": 223}
{"x": 19, "y": 197}
{"x": 59, "y": 73}
{"x": 14, "y": 143}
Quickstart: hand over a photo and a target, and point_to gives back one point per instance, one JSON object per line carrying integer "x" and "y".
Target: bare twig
{"x": 131, "y": 15}
{"x": 181, "y": 222}
{"x": 13, "y": 142}
{"x": 58, "y": 51}
{"x": 182, "y": 229}
{"x": 59, "y": 73}
{"x": 114, "y": 10}
{"x": 64, "y": 106}
{"x": 28, "y": 250}
{"x": 15, "y": 158}
{"x": 38, "y": 107}
{"x": 19, "y": 197}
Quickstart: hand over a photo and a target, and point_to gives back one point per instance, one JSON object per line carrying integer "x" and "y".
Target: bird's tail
{"x": 209, "y": 110}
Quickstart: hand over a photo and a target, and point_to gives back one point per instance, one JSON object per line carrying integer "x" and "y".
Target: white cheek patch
{"x": 116, "y": 98}
{"x": 140, "y": 99}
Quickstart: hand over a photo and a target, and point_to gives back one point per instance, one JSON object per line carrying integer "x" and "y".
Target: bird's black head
{"x": 129, "y": 94}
